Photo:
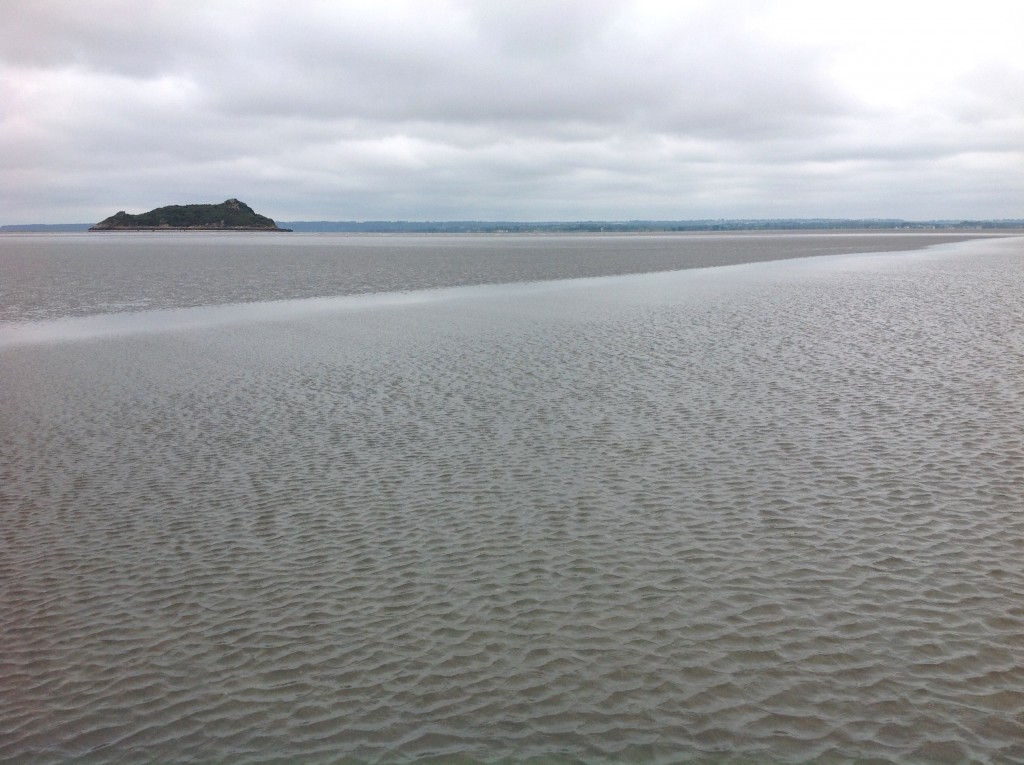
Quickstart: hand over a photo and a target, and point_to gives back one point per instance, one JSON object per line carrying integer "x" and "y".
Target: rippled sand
{"x": 759, "y": 513}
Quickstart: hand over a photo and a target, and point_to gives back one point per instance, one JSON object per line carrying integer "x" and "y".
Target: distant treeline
{"x": 622, "y": 227}
{"x": 635, "y": 226}
{"x": 54, "y": 227}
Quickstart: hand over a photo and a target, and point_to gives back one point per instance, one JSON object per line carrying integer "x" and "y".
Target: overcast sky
{"x": 513, "y": 109}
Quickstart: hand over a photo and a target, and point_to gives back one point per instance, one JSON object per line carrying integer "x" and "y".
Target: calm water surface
{"x": 768, "y": 512}
{"x": 52, "y": 276}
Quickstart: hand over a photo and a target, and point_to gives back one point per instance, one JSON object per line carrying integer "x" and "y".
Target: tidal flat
{"x": 393, "y": 505}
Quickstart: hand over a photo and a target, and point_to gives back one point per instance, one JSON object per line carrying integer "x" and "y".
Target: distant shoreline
{"x": 188, "y": 229}
{"x": 570, "y": 227}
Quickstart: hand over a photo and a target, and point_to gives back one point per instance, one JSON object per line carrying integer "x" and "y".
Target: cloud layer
{"x": 527, "y": 110}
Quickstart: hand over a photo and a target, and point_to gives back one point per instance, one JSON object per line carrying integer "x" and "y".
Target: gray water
{"x": 52, "y": 276}
{"x": 768, "y": 512}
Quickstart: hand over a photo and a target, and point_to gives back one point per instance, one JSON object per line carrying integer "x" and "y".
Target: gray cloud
{"x": 488, "y": 109}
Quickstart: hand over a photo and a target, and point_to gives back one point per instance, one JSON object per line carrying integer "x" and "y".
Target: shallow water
{"x": 768, "y": 512}
{"x": 49, "y": 276}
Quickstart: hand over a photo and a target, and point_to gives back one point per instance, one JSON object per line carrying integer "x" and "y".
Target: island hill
{"x": 230, "y": 215}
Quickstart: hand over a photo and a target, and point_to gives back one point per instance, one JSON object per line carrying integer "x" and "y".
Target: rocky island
{"x": 230, "y": 215}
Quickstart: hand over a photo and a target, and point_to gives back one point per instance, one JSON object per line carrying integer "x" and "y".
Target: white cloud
{"x": 525, "y": 110}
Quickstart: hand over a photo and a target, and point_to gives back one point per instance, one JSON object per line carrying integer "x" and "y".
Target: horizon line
{"x": 703, "y": 222}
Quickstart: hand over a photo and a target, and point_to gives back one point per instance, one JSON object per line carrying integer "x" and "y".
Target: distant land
{"x": 513, "y": 227}
{"x": 230, "y": 215}
{"x": 639, "y": 226}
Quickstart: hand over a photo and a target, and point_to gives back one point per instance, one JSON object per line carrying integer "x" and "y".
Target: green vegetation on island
{"x": 230, "y": 215}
